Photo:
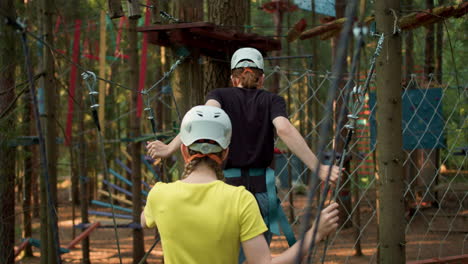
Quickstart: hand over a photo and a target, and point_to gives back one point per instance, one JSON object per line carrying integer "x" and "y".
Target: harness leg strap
{"x": 276, "y": 215}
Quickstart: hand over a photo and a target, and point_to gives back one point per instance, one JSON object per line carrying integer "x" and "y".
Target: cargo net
{"x": 434, "y": 123}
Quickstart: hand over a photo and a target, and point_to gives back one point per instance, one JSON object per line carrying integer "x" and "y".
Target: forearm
{"x": 289, "y": 256}
{"x": 175, "y": 144}
{"x": 143, "y": 220}
{"x": 296, "y": 143}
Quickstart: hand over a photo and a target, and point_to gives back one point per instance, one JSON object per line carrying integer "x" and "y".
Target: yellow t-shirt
{"x": 203, "y": 223}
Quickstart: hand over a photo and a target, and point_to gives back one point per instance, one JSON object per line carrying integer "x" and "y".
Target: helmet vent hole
{"x": 200, "y": 113}
{"x": 217, "y": 114}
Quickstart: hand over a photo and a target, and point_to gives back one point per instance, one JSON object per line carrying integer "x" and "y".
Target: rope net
{"x": 435, "y": 171}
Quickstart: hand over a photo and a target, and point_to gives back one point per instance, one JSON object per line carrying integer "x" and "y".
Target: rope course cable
{"x": 150, "y": 117}
{"x": 90, "y": 80}
{"x": 166, "y": 75}
{"x": 355, "y": 99}
{"x": 337, "y": 74}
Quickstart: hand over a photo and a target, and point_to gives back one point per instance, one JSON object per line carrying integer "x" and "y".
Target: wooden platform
{"x": 211, "y": 40}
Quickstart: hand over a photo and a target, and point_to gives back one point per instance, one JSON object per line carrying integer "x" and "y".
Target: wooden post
{"x": 28, "y": 164}
{"x": 429, "y": 170}
{"x": 278, "y": 21}
{"x": 49, "y": 220}
{"x": 81, "y": 164}
{"x": 135, "y": 147}
{"x": 439, "y": 49}
{"x": 429, "y": 45}
{"x": 390, "y": 186}
{"x": 102, "y": 71}
{"x": 409, "y": 46}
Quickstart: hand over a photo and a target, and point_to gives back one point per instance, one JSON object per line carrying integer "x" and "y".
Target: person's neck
{"x": 201, "y": 174}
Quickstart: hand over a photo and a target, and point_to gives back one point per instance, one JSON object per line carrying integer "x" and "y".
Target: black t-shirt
{"x": 251, "y": 112}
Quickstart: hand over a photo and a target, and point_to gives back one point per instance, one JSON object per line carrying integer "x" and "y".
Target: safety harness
{"x": 260, "y": 180}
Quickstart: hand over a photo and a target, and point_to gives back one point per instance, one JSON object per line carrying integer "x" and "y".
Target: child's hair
{"x": 189, "y": 167}
{"x": 248, "y": 77}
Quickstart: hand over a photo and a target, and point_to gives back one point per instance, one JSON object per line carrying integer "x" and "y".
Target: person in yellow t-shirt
{"x": 201, "y": 219}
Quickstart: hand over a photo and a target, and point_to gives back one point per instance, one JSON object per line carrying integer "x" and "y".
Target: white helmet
{"x": 206, "y": 122}
{"x": 247, "y": 57}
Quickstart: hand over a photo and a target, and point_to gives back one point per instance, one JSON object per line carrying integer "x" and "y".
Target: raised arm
{"x": 257, "y": 252}
{"x": 158, "y": 149}
{"x": 296, "y": 143}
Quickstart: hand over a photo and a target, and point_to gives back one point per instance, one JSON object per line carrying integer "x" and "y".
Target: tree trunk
{"x": 439, "y": 48}
{"x": 188, "y": 88}
{"x": 28, "y": 169}
{"x": 409, "y": 47}
{"x": 51, "y": 98}
{"x": 51, "y": 101}
{"x": 7, "y": 130}
{"x": 135, "y": 147}
{"x": 278, "y": 22}
{"x": 34, "y": 175}
{"x": 429, "y": 45}
{"x": 390, "y": 187}
{"x": 82, "y": 171}
{"x": 428, "y": 171}
{"x": 81, "y": 175}
{"x": 232, "y": 15}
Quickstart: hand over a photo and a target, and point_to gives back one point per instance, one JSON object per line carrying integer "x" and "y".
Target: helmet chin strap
{"x": 210, "y": 155}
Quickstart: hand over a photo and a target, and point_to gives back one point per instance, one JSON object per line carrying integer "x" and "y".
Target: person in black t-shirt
{"x": 256, "y": 115}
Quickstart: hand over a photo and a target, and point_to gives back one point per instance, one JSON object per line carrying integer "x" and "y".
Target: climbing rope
{"x": 355, "y": 99}
{"x": 145, "y": 93}
{"x": 150, "y": 116}
{"x": 90, "y": 79}
{"x": 338, "y": 68}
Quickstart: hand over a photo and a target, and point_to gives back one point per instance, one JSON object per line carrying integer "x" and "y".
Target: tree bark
{"x": 390, "y": 206}
{"x": 232, "y": 15}
{"x": 51, "y": 98}
{"x": 439, "y": 48}
{"x": 135, "y": 147}
{"x": 7, "y": 130}
{"x": 429, "y": 45}
{"x": 51, "y": 101}
{"x": 28, "y": 169}
{"x": 409, "y": 47}
{"x": 82, "y": 171}
{"x": 278, "y": 22}
{"x": 429, "y": 170}
{"x": 188, "y": 88}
